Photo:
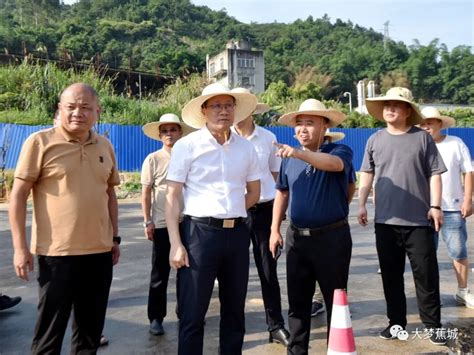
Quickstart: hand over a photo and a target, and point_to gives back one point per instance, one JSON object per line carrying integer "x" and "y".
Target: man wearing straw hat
{"x": 260, "y": 219}
{"x": 408, "y": 168}
{"x": 457, "y": 200}
{"x": 216, "y": 173}
{"x": 313, "y": 185}
{"x": 317, "y": 307}
{"x": 153, "y": 179}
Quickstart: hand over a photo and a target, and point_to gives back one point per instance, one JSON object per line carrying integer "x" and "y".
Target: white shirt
{"x": 214, "y": 175}
{"x": 262, "y": 140}
{"x": 457, "y": 159}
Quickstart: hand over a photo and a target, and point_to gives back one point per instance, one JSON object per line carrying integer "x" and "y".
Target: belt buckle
{"x": 305, "y": 232}
{"x": 228, "y": 223}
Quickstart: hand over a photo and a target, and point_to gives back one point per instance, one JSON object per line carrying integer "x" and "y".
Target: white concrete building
{"x": 238, "y": 66}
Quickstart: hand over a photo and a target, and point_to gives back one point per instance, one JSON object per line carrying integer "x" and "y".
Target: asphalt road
{"x": 127, "y": 324}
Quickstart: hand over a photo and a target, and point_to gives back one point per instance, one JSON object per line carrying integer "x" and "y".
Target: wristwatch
{"x": 147, "y": 223}
{"x": 117, "y": 240}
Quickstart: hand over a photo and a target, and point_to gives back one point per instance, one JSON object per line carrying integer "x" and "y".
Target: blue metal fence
{"x": 132, "y": 146}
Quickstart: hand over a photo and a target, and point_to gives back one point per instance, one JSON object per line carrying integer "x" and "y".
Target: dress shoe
{"x": 8, "y": 302}
{"x": 280, "y": 335}
{"x": 156, "y": 327}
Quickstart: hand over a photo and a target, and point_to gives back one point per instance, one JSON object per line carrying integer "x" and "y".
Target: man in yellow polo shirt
{"x": 72, "y": 173}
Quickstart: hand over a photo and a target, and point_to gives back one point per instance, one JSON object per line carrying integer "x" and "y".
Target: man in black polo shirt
{"x": 313, "y": 183}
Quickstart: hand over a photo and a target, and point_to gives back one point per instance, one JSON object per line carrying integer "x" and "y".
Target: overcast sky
{"x": 449, "y": 20}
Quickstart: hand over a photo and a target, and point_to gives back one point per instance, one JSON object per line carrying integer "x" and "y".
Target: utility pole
{"x": 386, "y": 35}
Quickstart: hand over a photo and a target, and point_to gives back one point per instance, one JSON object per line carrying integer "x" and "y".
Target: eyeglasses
{"x": 166, "y": 131}
{"x": 218, "y": 107}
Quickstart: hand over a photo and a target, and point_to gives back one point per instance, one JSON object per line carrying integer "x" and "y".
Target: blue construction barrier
{"x": 132, "y": 146}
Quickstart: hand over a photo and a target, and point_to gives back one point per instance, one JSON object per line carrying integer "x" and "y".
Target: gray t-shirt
{"x": 403, "y": 165}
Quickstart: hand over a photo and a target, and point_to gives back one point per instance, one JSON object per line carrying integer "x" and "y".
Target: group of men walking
{"x": 221, "y": 182}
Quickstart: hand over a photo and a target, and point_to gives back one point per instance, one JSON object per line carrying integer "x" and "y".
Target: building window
{"x": 212, "y": 68}
{"x": 245, "y": 81}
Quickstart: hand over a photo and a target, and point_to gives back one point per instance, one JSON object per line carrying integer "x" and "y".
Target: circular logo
{"x": 394, "y": 329}
{"x": 402, "y": 335}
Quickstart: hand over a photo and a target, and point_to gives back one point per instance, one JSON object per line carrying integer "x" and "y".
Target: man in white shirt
{"x": 259, "y": 220}
{"x": 153, "y": 179}
{"x": 216, "y": 172}
{"x": 456, "y": 199}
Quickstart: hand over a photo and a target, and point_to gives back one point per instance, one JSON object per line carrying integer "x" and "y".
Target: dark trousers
{"x": 259, "y": 222}
{"x": 81, "y": 283}
{"x": 324, "y": 258}
{"x": 213, "y": 252}
{"x": 160, "y": 272}
{"x": 393, "y": 244}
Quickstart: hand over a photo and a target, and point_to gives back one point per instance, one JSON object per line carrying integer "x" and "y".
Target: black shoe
{"x": 317, "y": 308}
{"x": 156, "y": 327}
{"x": 8, "y": 302}
{"x": 280, "y": 335}
{"x": 437, "y": 336}
{"x": 389, "y": 333}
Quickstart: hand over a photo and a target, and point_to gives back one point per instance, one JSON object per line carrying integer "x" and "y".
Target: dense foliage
{"x": 172, "y": 38}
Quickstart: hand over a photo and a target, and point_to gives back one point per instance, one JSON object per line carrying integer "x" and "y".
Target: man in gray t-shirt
{"x": 402, "y": 199}
{"x": 408, "y": 168}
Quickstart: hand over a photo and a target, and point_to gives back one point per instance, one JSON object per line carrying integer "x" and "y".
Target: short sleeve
{"x": 345, "y": 153}
{"x": 368, "y": 164}
{"x": 466, "y": 163}
{"x": 114, "y": 178}
{"x": 180, "y": 161}
{"x": 352, "y": 175}
{"x": 434, "y": 162}
{"x": 146, "y": 177}
{"x": 29, "y": 163}
{"x": 282, "y": 180}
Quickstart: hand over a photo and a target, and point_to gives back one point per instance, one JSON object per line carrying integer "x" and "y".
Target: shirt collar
{"x": 205, "y": 131}
{"x": 93, "y": 138}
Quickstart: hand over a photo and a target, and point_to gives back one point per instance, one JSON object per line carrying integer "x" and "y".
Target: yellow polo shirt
{"x": 70, "y": 200}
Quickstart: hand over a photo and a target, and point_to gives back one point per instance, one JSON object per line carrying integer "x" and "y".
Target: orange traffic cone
{"x": 341, "y": 336}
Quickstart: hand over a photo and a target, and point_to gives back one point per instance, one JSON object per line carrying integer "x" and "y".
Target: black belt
{"x": 261, "y": 205}
{"x": 218, "y": 222}
{"x": 319, "y": 230}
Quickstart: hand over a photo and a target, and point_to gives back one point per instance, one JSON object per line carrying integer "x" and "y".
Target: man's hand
{"x": 115, "y": 254}
{"x": 437, "y": 217}
{"x": 285, "y": 151}
{"x": 149, "y": 231}
{"x": 23, "y": 263}
{"x": 362, "y": 216}
{"x": 178, "y": 256}
{"x": 466, "y": 208}
{"x": 275, "y": 241}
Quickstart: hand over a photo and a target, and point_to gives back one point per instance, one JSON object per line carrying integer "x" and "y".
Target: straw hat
{"x": 152, "y": 129}
{"x": 375, "y": 105}
{"x": 245, "y": 104}
{"x": 315, "y": 108}
{"x": 433, "y": 112}
{"x": 261, "y": 107}
{"x": 335, "y": 136}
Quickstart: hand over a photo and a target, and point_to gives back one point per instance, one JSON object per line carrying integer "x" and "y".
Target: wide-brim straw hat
{"x": 335, "y": 136}
{"x": 245, "y": 104}
{"x": 433, "y": 112}
{"x": 313, "y": 107}
{"x": 152, "y": 129}
{"x": 261, "y": 107}
{"x": 375, "y": 105}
